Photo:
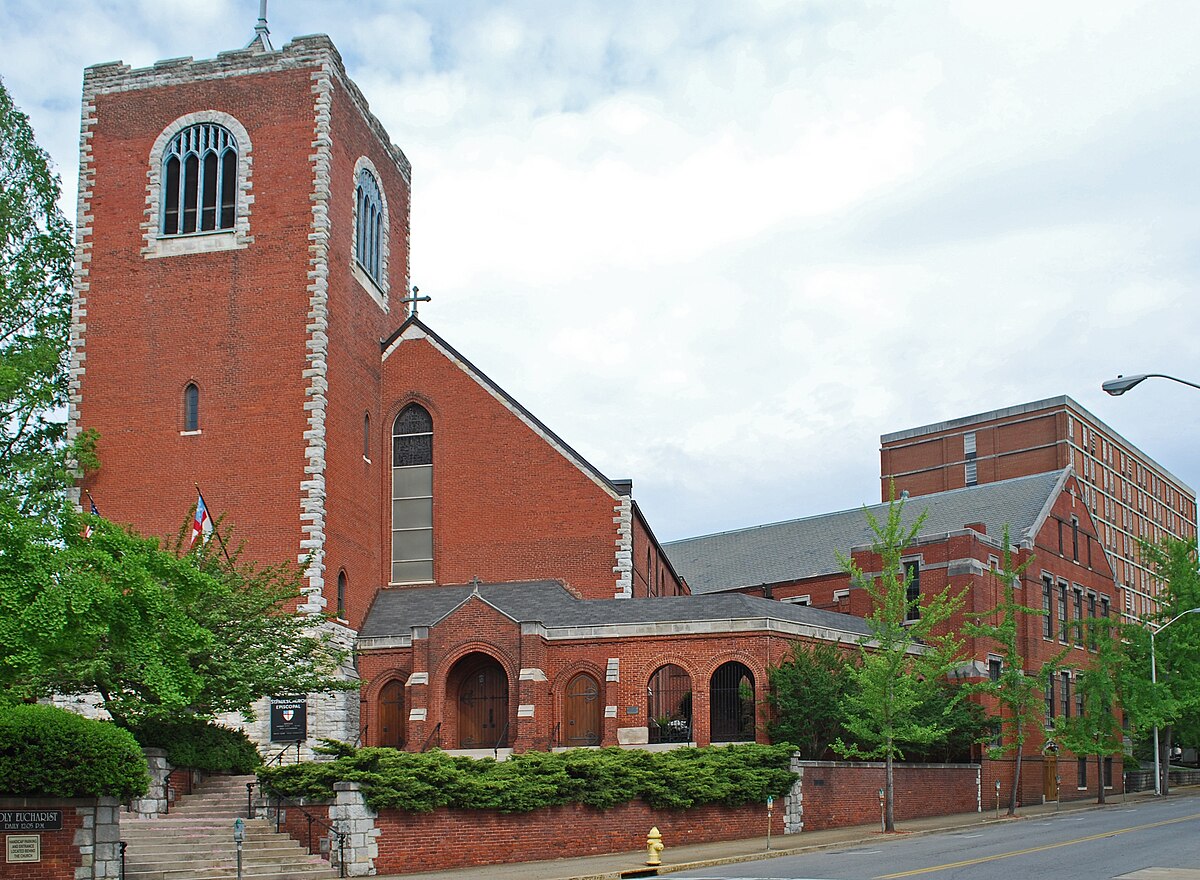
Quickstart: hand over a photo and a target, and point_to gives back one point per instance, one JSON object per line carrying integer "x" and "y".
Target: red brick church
{"x": 243, "y": 321}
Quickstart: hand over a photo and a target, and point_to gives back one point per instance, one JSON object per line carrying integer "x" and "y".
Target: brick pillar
{"x": 533, "y": 710}
{"x": 352, "y": 817}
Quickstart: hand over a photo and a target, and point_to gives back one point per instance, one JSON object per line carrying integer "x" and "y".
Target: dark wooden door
{"x": 483, "y": 708}
{"x": 1050, "y": 778}
{"x": 581, "y": 721}
{"x": 391, "y": 715}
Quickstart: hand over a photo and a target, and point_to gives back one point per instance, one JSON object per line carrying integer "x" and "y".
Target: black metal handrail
{"x": 339, "y": 836}
{"x": 500, "y": 741}
{"x": 554, "y": 734}
{"x": 437, "y": 731}
{"x": 167, "y": 795}
{"x": 278, "y": 757}
{"x": 361, "y": 735}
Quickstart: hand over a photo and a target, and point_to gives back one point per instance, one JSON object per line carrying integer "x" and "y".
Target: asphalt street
{"x": 1078, "y": 845}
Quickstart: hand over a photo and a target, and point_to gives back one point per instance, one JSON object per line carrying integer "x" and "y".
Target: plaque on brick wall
{"x": 23, "y": 848}
{"x": 30, "y": 820}
{"x": 289, "y": 719}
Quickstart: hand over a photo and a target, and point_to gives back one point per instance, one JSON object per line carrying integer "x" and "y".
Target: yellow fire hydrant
{"x": 654, "y": 846}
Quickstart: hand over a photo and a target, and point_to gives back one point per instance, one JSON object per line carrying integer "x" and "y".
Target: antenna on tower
{"x": 262, "y": 33}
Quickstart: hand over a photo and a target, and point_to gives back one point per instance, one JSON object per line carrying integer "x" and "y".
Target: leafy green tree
{"x": 1175, "y": 701}
{"x": 157, "y": 634}
{"x": 35, "y": 284}
{"x": 1019, "y": 696}
{"x": 907, "y": 653}
{"x": 1096, "y": 732}
{"x": 807, "y": 690}
{"x": 967, "y": 723}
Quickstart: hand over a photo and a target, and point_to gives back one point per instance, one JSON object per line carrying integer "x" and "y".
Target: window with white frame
{"x": 368, "y": 225}
{"x": 412, "y": 496}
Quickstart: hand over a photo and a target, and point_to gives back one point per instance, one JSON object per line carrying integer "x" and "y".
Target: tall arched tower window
{"x": 412, "y": 496}
{"x": 368, "y": 225}
{"x": 199, "y": 180}
{"x": 341, "y": 595}
{"x": 191, "y": 407}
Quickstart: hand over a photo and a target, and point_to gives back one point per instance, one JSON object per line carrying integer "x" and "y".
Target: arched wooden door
{"x": 581, "y": 712}
{"x": 483, "y": 707}
{"x": 391, "y": 715}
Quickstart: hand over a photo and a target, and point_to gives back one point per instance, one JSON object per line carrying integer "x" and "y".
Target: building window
{"x": 1066, "y": 694}
{"x": 191, "y": 407}
{"x": 1081, "y": 773}
{"x": 341, "y": 595}
{"x": 1062, "y": 613}
{"x": 1047, "y": 607}
{"x": 1078, "y": 696}
{"x": 1075, "y": 538}
{"x": 1049, "y": 699}
{"x": 1078, "y": 616}
{"x": 367, "y": 436}
{"x": 199, "y": 180}
{"x": 995, "y": 666}
{"x": 912, "y": 589}
{"x": 971, "y": 472}
{"x": 412, "y": 496}
{"x": 368, "y": 225}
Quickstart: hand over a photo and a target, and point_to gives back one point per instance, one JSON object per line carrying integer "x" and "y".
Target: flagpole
{"x": 216, "y": 531}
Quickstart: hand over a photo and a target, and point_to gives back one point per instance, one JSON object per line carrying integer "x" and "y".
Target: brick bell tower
{"x": 242, "y": 247}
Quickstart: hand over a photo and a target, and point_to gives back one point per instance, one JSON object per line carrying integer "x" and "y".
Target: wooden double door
{"x": 483, "y": 707}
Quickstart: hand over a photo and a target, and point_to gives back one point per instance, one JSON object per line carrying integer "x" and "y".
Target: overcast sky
{"x": 721, "y": 247}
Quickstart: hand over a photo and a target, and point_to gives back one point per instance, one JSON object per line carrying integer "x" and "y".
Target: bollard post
{"x": 882, "y": 813}
{"x": 997, "y": 798}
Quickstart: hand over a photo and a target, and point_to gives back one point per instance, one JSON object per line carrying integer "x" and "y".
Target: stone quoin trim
{"x": 623, "y": 569}
{"x": 379, "y": 290}
{"x": 158, "y": 245}
{"x": 80, "y": 284}
{"x": 312, "y": 487}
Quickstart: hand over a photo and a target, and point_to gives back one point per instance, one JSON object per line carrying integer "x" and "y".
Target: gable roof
{"x": 395, "y": 612}
{"x": 802, "y": 548}
{"x": 414, "y": 328}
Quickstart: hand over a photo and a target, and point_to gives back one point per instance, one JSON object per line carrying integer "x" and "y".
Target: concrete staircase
{"x": 195, "y": 841}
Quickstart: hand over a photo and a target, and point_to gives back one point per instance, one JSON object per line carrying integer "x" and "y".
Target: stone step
{"x": 172, "y": 846}
{"x": 296, "y": 860}
{"x": 293, "y": 872}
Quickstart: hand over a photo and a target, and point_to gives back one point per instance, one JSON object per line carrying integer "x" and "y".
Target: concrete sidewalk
{"x": 701, "y": 855}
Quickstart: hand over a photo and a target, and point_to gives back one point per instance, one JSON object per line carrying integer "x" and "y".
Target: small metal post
{"x": 249, "y": 800}
{"x": 770, "y": 806}
{"x": 1057, "y": 792}
{"x": 997, "y": 798}
{"x": 310, "y": 820}
{"x": 123, "y": 845}
{"x": 239, "y": 835}
{"x": 882, "y": 813}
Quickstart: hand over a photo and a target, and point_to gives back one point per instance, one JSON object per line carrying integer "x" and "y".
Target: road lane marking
{"x": 1021, "y": 852}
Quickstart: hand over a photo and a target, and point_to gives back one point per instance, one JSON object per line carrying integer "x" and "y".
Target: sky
{"x": 720, "y": 248}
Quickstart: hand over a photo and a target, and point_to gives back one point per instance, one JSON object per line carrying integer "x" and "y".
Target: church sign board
{"x": 289, "y": 719}
{"x": 31, "y": 820}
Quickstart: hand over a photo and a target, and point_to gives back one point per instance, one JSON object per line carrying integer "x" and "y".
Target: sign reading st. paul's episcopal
{"x": 31, "y": 820}
{"x": 289, "y": 719}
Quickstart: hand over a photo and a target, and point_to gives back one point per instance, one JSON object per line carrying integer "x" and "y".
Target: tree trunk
{"x": 889, "y": 822}
{"x": 1100, "y": 777}
{"x": 1016, "y": 783}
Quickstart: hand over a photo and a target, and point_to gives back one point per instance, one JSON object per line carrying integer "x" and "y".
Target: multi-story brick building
{"x": 959, "y": 548}
{"x": 1130, "y": 497}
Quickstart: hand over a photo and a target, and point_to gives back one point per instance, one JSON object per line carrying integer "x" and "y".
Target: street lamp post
{"x": 1118, "y": 386}
{"x": 1154, "y": 681}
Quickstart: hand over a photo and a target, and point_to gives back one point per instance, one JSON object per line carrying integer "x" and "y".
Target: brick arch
{"x": 404, "y": 400}
{"x": 715, "y": 707}
{"x": 483, "y": 715}
{"x": 656, "y": 711}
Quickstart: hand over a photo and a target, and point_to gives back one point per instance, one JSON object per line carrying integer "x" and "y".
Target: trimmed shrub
{"x": 49, "y": 752}
{"x": 199, "y": 745}
{"x": 599, "y": 778}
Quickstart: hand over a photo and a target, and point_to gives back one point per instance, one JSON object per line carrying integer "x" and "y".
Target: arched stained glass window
{"x": 412, "y": 496}
{"x": 199, "y": 180}
{"x": 368, "y": 225}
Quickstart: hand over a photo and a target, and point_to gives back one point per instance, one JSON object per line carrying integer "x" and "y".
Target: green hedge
{"x": 601, "y": 778}
{"x": 198, "y": 745}
{"x": 48, "y": 752}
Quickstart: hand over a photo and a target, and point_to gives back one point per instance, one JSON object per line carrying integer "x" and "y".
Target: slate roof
{"x": 396, "y": 611}
{"x": 802, "y": 548}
